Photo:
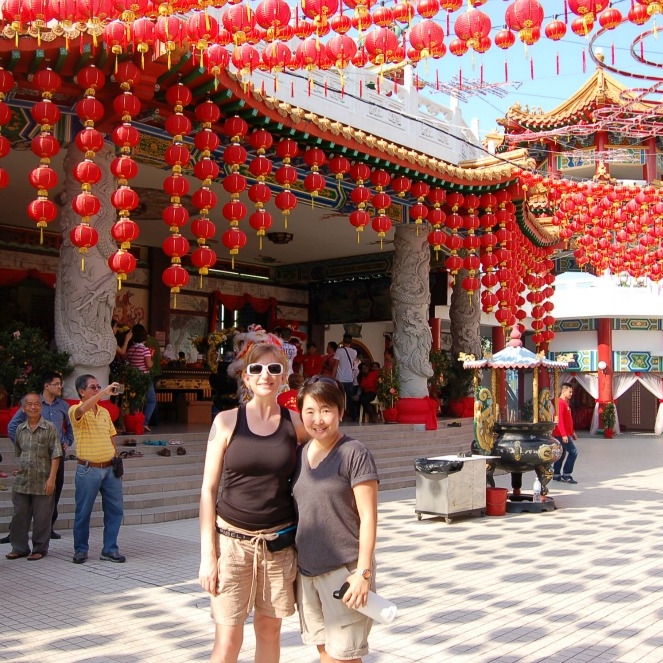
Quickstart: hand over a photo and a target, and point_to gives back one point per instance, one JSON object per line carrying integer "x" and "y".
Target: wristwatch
{"x": 366, "y": 574}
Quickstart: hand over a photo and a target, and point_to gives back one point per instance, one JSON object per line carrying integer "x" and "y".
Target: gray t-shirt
{"x": 345, "y": 357}
{"x": 328, "y": 526}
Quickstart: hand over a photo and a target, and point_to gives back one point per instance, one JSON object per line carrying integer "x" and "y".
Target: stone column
{"x": 410, "y": 299}
{"x": 84, "y": 300}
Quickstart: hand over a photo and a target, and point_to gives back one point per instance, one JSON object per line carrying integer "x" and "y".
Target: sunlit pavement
{"x": 583, "y": 583}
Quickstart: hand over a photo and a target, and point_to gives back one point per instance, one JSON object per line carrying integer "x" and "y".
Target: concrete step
{"x": 159, "y": 489}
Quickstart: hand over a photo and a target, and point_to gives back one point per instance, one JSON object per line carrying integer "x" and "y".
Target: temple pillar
{"x": 553, "y": 149}
{"x": 410, "y": 298}
{"x": 436, "y": 332}
{"x": 604, "y": 346}
{"x": 649, "y": 170}
{"x": 601, "y": 167}
{"x": 499, "y": 343}
{"x": 84, "y": 299}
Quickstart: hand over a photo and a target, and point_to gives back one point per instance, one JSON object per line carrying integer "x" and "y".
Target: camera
{"x": 119, "y": 389}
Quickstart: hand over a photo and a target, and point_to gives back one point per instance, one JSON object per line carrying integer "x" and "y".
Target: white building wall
{"x": 642, "y": 341}
{"x": 573, "y": 341}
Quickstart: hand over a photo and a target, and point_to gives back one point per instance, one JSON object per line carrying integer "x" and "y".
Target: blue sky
{"x": 546, "y": 89}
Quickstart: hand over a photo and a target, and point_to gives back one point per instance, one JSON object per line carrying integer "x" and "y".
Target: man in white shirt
{"x": 343, "y": 371}
{"x": 289, "y": 348}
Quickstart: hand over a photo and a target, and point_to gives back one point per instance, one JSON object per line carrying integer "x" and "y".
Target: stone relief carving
{"x": 84, "y": 299}
{"x": 410, "y": 296}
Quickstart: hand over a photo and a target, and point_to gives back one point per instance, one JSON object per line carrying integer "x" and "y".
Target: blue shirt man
{"x": 55, "y": 410}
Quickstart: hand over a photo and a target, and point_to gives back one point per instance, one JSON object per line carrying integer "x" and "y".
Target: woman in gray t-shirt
{"x": 335, "y": 489}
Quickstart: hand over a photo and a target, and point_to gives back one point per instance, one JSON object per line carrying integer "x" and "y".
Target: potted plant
{"x": 456, "y": 389}
{"x": 24, "y": 357}
{"x": 136, "y": 383}
{"x": 609, "y": 417}
{"x": 388, "y": 392}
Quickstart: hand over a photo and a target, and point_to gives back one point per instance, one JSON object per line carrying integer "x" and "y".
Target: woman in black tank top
{"x": 251, "y": 455}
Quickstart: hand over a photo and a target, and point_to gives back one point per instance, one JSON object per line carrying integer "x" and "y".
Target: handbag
{"x": 118, "y": 466}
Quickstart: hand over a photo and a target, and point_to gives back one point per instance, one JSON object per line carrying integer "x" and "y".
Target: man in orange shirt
{"x": 565, "y": 434}
{"x": 312, "y": 361}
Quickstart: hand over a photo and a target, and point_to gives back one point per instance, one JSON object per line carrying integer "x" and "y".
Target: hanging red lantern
{"x": 122, "y": 263}
{"x": 125, "y": 231}
{"x": 610, "y": 18}
{"x": 472, "y": 26}
{"x": 234, "y": 240}
{"x": 175, "y": 277}
{"x": 505, "y": 39}
{"x": 203, "y": 258}
{"x": 401, "y": 185}
{"x": 525, "y": 17}
{"x": 436, "y": 238}
{"x": 382, "y": 225}
{"x": 341, "y": 50}
{"x": 260, "y": 221}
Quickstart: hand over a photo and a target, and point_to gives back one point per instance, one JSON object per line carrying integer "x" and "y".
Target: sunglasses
{"x": 273, "y": 369}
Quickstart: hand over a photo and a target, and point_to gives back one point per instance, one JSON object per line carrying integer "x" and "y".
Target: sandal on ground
{"x": 15, "y": 555}
{"x": 176, "y": 442}
{"x": 4, "y": 475}
{"x": 129, "y": 443}
{"x": 454, "y": 424}
{"x": 35, "y": 556}
{"x": 2, "y": 486}
{"x": 131, "y": 454}
{"x": 163, "y": 452}
{"x": 181, "y": 451}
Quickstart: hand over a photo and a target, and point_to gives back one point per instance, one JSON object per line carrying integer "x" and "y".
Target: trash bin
{"x": 450, "y": 486}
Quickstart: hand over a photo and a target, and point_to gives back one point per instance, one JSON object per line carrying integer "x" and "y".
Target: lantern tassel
{"x": 41, "y": 235}
{"x": 82, "y": 264}
{"x": 260, "y": 242}
{"x": 357, "y": 235}
{"x": 200, "y": 283}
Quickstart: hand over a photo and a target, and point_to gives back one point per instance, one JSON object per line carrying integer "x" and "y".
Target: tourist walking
{"x": 565, "y": 433}
{"x": 139, "y": 356}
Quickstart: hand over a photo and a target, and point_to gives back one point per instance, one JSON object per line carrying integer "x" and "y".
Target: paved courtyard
{"x": 584, "y": 583}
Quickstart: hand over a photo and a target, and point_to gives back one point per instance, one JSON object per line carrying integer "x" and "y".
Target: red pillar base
{"x": 417, "y": 411}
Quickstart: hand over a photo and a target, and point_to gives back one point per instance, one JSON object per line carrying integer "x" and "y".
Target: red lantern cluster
{"x": 260, "y": 193}
{"x": 176, "y": 185}
{"x": 360, "y": 196}
{"x": 206, "y": 170}
{"x": 617, "y": 228}
{"x": 43, "y": 178}
{"x": 87, "y": 173}
{"x": 124, "y": 199}
{"x": 286, "y": 176}
{"x": 234, "y": 155}
{"x": 6, "y": 85}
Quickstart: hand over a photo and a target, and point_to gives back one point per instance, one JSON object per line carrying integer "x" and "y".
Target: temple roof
{"x": 601, "y": 89}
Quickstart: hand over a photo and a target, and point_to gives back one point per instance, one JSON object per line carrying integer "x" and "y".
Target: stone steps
{"x": 159, "y": 489}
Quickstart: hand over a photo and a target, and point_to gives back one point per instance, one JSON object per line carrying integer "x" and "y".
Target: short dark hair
{"x": 324, "y": 390}
{"x": 565, "y": 385}
{"x": 295, "y": 380}
{"x": 48, "y": 377}
{"x": 81, "y": 382}
{"x": 333, "y": 345}
{"x": 347, "y": 338}
{"x": 138, "y": 334}
{"x": 311, "y": 345}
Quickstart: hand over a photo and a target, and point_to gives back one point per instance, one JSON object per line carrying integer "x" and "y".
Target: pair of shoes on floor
{"x": 567, "y": 478}
{"x": 55, "y": 536}
{"x": 79, "y": 557}
{"x": 129, "y": 443}
{"x": 454, "y": 424}
{"x": 164, "y": 452}
{"x": 176, "y": 443}
{"x": 113, "y": 557}
{"x": 181, "y": 451}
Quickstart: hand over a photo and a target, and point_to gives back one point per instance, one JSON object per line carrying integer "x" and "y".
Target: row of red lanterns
{"x": 178, "y": 24}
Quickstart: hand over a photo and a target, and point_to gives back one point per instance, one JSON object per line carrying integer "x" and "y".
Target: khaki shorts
{"x": 327, "y": 621}
{"x": 270, "y": 588}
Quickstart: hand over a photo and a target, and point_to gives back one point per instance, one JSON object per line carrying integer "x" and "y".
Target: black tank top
{"x": 256, "y": 491}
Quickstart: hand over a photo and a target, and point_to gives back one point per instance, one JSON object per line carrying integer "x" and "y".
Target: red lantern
{"x": 125, "y": 231}
{"x": 122, "y": 263}
{"x": 260, "y": 221}
{"x": 83, "y": 237}
{"x": 472, "y": 26}
{"x": 175, "y": 277}
{"x": 382, "y": 225}
{"x": 203, "y": 258}
{"x": 234, "y": 240}
{"x": 505, "y": 39}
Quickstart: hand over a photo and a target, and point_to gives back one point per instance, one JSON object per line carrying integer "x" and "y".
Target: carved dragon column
{"x": 84, "y": 300}
{"x": 410, "y": 298}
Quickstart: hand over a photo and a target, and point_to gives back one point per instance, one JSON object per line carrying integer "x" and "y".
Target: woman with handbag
{"x": 247, "y": 536}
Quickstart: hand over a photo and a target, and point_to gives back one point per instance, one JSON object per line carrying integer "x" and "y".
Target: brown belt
{"x": 89, "y": 463}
